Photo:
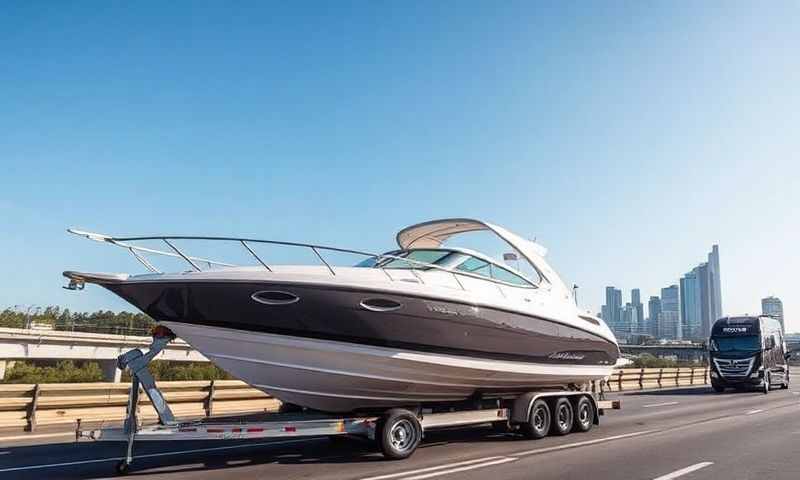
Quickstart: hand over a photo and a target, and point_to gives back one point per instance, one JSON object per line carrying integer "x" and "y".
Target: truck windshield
{"x": 727, "y": 344}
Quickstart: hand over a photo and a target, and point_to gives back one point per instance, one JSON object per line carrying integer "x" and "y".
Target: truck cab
{"x": 748, "y": 352}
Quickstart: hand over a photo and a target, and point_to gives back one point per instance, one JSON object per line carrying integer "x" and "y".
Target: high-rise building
{"x": 716, "y": 286}
{"x": 612, "y": 310}
{"x": 653, "y": 310}
{"x": 773, "y": 307}
{"x": 670, "y": 318}
{"x": 636, "y": 301}
{"x": 708, "y": 292}
{"x": 691, "y": 315}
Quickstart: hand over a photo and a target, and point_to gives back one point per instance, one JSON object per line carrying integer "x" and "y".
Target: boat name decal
{"x": 448, "y": 310}
{"x": 566, "y": 356}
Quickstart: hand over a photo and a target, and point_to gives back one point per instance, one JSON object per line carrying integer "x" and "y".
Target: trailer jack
{"x": 136, "y": 362}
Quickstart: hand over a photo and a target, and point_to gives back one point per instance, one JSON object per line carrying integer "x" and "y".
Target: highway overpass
{"x": 24, "y": 344}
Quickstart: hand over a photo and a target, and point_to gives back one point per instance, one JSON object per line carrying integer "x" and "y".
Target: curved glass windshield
{"x": 447, "y": 259}
{"x": 730, "y": 344}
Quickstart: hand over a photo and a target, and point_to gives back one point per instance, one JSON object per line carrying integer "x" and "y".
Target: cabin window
{"x": 424, "y": 256}
{"x": 481, "y": 267}
{"x": 476, "y": 266}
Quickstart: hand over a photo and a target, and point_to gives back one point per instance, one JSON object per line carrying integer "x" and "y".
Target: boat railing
{"x": 139, "y": 252}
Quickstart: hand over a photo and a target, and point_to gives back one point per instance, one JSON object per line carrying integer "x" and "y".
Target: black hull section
{"x": 335, "y": 313}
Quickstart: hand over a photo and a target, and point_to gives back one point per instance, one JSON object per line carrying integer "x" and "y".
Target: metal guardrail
{"x": 628, "y": 379}
{"x": 30, "y": 405}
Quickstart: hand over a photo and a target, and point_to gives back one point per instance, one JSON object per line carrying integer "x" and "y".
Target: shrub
{"x": 65, "y": 371}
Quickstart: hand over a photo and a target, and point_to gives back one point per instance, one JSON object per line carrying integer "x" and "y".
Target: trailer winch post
{"x": 136, "y": 362}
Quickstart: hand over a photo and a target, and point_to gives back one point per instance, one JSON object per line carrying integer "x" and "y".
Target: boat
{"x": 423, "y": 324}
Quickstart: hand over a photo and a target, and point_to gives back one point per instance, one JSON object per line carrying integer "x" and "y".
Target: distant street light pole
{"x": 28, "y": 318}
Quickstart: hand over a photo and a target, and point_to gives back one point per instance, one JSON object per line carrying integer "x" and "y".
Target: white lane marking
{"x": 581, "y": 444}
{"x": 37, "y": 436}
{"x": 660, "y": 404}
{"x": 462, "y": 469}
{"x": 488, "y": 461}
{"x": 430, "y": 469}
{"x": 160, "y": 454}
{"x": 753, "y": 412}
{"x": 684, "y": 471}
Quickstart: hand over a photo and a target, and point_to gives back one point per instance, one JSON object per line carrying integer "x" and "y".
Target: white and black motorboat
{"x": 419, "y": 325}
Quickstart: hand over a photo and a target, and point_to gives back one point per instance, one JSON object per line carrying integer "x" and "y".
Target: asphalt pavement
{"x": 690, "y": 433}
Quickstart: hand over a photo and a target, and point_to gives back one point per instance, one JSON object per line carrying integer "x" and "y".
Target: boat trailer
{"x": 397, "y": 431}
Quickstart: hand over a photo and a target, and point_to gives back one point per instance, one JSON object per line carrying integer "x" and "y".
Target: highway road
{"x": 689, "y": 433}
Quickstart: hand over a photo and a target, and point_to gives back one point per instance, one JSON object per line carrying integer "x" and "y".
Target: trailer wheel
{"x": 584, "y": 415}
{"x": 562, "y": 416}
{"x": 398, "y": 434}
{"x": 539, "y": 422}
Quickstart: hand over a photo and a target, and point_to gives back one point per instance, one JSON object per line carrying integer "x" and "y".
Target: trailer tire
{"x": 584, "y": 415}
{"x": 398, "y": 434}
{"x": 563, "y": 416}
{"x": 538, "y": 425}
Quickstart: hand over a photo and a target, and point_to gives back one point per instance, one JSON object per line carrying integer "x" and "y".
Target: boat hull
{"x": 342, "y": 348}
{"x": 341, "y": 377}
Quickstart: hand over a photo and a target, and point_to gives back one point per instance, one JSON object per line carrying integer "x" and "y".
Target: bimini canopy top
{"x": 434, "y": 233}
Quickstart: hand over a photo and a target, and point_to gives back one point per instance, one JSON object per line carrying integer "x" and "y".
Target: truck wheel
{"x": 398, "y": 434}
{"x": 584, "y": 415}
{"x": 539, "y": 422}
{"x": 562, "y": 417}
{"x": 785, "y": 384}
{"x": 717, "y": 388}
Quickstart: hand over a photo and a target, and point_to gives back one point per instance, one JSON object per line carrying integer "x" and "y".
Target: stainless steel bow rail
{"x": 397, "y": 431}
{"x": 195, "y": 263}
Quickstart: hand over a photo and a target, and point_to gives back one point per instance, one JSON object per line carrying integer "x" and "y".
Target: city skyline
{"x": 683, "y": 311}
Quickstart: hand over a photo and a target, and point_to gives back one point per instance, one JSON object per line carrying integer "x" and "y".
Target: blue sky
{"x": 626, "y": 137}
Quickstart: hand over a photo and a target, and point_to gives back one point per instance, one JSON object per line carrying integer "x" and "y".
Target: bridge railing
{"x": 31, "y": 405}
{"x": 628, "y": 379}
{"x": 28, "y": 406}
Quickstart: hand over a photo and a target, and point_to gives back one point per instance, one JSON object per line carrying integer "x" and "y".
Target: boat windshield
{"x": 729, "y": 344}
{"x": 447, "y": 259}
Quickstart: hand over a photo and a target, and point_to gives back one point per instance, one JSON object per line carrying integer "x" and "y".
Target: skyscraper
{"x": 709, "y": 292}
{"x": 612, "y": 310}
{"x": 773, "y": 307}
{"x": 691, "y": 315}
{"x": 670, "y": 317}
{"x": 716, "y": 286}
{"x": 653, "y": 310}
{"x": 636, "y": 301}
